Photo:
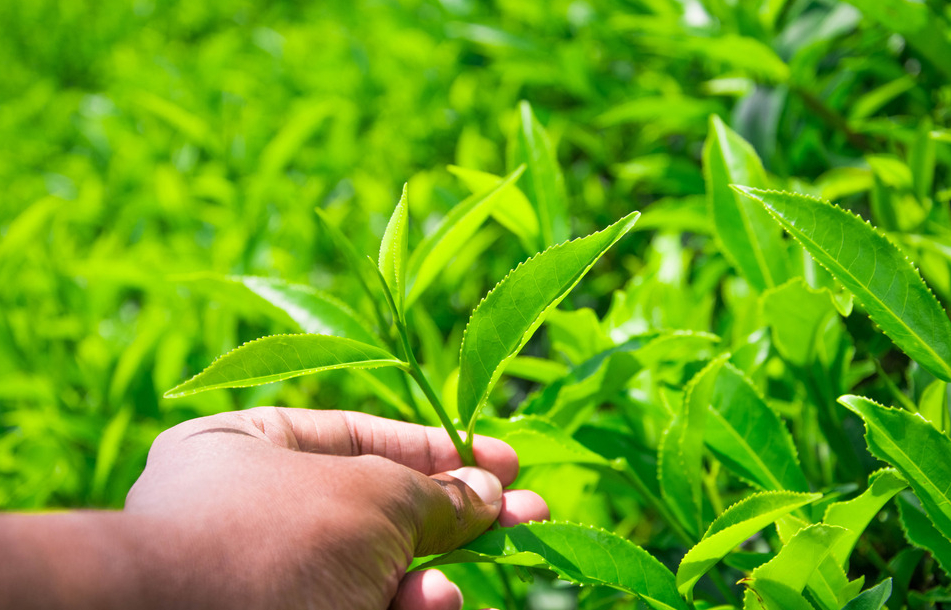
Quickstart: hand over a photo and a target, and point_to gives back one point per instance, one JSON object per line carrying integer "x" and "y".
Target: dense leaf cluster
{"x": 731, "y": 391}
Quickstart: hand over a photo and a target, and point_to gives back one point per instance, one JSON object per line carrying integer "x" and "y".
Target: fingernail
{"x": 484, "y": 483}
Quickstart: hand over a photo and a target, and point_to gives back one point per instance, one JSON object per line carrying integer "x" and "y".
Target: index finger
{"x": 348, "y": 433}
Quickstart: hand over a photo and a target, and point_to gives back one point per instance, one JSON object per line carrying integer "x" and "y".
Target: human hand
{"x": 289, "y": 508}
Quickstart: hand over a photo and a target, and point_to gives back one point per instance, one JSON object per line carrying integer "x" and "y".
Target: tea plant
{"x": 706, "y": 399}
{"x": 673, "y": 456}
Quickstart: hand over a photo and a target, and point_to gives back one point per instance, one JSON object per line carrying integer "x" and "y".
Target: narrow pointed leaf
{"x": 912, "y": 445}
{"x": 680, "y": 467}
{"x": 855, "y": 514}
{"x": 786, "y": 575}
{"x": 315, "y": 312}
{"x": 543, "y": 182}
{"x": 513, "y": 211}
{"x": 281, "y": 357}
{"x": 734, "y": 526}
{"x": 872, "y": 599}
{"x": 749, "y": 237}
{"x": 393, "y": 250}
{"x": 508, "y": 316}
{"x": 749, "y": 438}
{"x": 874, "y": 269}
{"x": 920, "y": 532}
{"x": 577, "y": 553}
{"x": 435, "y": 252}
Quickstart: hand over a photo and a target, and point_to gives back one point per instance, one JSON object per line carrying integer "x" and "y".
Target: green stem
{"x": 658, "y": 506}
{"x": 723, "y": 588}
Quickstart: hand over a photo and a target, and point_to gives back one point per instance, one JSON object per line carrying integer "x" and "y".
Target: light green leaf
{"x": 315, "y": 312}
{"x": 537, "y": 441}
{"x": 734, "y": 526}
{"x": 513, "y": 211}
{"x": 920, "y": 532}
{"x": 393, "y": 251}
{"x": 281, "y": 357}
{"x": 508, "y": 316}
{"x": 539, "y": 370}
{"x": 874, "y": 269}
{"x": 749, "y": 237}
{"x": 680, "y": 455}
{"x": 749, "y": 438}
{"x": 779, "y": 582}
{"x": 933, "y": 404}
{"x": 913, "y": 446}
{"x": 578, "y": 554}
{"x": 543, "y": 182}
{"x": 435, "y": 252}
{"x": 872, "y": 599}
{"x": 855, "y": 514}
{"x": 796, "y": 314}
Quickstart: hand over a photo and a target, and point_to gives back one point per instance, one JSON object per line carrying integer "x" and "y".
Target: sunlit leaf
{"x": 748, "y": 235}
{"x": 393, "y": 251}
{"x": 854, "y": 515}
{"x": 505, "y": 320}
{"x": 915, "y": 448}
{"x": 435, "y": 252}
{"x": 749, "y": 438}
{"x": 874, "y": 269}
{"x": 543, "y": 182}
{"x": 681, "y": 449}
{"x": 734, "y": 526}
{"x": 281, "y": 357}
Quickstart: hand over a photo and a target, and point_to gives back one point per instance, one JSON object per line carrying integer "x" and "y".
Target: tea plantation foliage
{"x": 737, "y": 398}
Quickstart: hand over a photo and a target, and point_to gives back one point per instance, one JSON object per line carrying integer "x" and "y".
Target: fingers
{"x": 427, "y": 590}
{"x": 456, "y": 507}
{"x": 424, "y": 449}
{"x": 522, "y": 506}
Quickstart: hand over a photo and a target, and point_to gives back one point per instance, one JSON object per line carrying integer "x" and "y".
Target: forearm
{"x": 99, "y": 559}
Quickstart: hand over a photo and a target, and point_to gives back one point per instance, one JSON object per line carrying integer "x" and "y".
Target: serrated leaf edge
{"x": 172, "y": 394}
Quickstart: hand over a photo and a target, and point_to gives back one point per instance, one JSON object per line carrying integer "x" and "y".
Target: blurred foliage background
{"x": 149, "y": 144}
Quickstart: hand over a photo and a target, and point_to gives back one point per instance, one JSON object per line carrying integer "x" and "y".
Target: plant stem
{"x": 464, "y": 449}
{"x": 510, "y": 601}
{"x": 665, "y": 514}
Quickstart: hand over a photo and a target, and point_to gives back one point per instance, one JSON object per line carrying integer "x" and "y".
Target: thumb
{"x": 460, "y": 505}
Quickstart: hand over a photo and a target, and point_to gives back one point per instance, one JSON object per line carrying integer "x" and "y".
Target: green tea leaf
{"x": 796, "y": 314}
{"x": 749, "y": 237}
{"x": 506, "y": 318}
{"x": 513, "y": 211}
{"x": 281, "y": 357}
{"x": 436, "y": 251}
{"x": 780, "y": 581}
{"x": 920, "y": 532}
{"x": 913, "y": 446}
{"x": 874, "y": 269}
{"x": 543, "y": 182}
{"x": 872, "y": 599}
{"x": 749, "y": 438}
{"x": 577, "y": 553}
{"x": 538, "y": 441}
{"x": 680, "y": 456}
{"x": 393, "y": 251}
{"x": 314, "y": 311}
{"x": 734, "y": 526}
{"x": 855, "y": 514}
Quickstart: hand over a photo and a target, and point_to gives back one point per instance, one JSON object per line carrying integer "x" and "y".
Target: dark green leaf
{"x": 577, "y": 553}
{"x": 874, "y": 269}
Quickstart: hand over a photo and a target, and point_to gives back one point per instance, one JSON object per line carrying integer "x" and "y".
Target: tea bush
{"x": 702, "y": 410}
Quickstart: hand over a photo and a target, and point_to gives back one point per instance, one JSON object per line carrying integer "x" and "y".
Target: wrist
{"x": 104, "y": 559}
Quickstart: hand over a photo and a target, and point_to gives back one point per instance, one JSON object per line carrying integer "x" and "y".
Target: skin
{"x": 272, "y": 508}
